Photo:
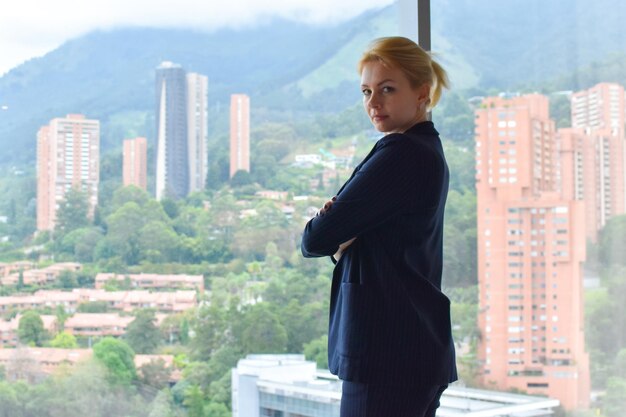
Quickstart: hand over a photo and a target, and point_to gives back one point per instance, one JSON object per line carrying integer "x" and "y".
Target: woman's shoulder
{"x": 424, "y": 142}
{"x": 423, "y": 130}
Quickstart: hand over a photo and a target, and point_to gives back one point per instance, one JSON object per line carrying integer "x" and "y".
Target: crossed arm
{"x": 342, "y": 246}
{"x": 380, "y": 189}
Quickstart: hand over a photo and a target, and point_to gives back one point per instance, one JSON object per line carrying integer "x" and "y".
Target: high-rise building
{"x": 593, "y": 154}
{"x": 181, "y": 125}
{"x": 600, "y": 107}
{"x": 135, "y": 169}
{"x": 531, "y": 246}
{"x": 172, "y": 167}
{"x": 239, "y": 133}
{"x": 68, "y": 156}
{"x": 197, "y": 105}
{"x": 46, "y": 204}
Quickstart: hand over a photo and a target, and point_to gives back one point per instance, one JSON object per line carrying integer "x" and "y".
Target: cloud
{"x": 30, "y": 28}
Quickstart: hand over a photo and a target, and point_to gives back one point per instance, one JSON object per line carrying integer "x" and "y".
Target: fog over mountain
{"x": 292, "y": 69}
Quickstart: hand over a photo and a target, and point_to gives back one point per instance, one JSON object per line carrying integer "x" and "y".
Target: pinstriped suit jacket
{"x": 389, "y": 320}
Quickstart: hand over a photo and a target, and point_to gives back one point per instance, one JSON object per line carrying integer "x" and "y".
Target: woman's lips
{"x": 379, "y": 118}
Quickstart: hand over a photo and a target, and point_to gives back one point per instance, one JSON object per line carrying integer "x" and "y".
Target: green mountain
{"x": 293, "y": 70}
{"x": 110, "y": 75}
{"x": 520, "y": 41}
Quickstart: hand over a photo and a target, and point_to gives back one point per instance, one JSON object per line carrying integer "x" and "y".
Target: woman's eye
{"x": 387, "y": 89}
{"x": 366, "y": 92}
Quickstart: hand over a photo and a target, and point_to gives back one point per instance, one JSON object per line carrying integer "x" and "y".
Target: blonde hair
{"x": 406, "y": 55}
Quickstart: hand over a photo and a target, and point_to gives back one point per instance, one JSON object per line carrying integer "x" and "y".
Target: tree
{"x": 599, "y": 328}
{"x": 455, "y": 118}
{"x": 192, "y": 221}
{"x": 61, "y": 316}
{"x": 183, "y": 334}
{"x": 561, "y": 110}
{"x": 205, "y": 373}
{"x": 153, "y": 377}
{"x": 158, "y": 241}
{"x": 224, "y": 213}
{"x": 129, "y": 193}
{"x": 303, "y": 323}
{"x": 30, "y": 329}
{"x": 84, "y": 391}
{"x": 262, "y": 331}
{"x": 67, "y": 280}
{"x": 613, "y": 242}
{"x": 263, "y": 168}
{"x": 142, "y": 334}
{"x": 9, "y": 406}
{"x": 620, "y": 363}
{"x": 175, "y": 328}
{"x": 81, "y": 243}
{"x": 460, "y": 240}
{"x": 170, "y": 207}
{"x": 217, "y": 170}
{"x": 93, "y": 307}
{"x": 20, "y": 280}
{"x": 216, "y": 410}
{"x": 161, "y": 406}
{"x": 274, "y": 139}
{"x": 241, "y": 178}
{"x": 72, "y": 213}
{"x": 461, "y": 161}
{"x": 64, "y": 340}
{"x": 220, "y": 391}
{"x": 12, "y": 212}
{"x": 615, "y": 397}
{"x": 317, "y": 350}
{"x": 118, "y": 358}
{"x": 194, "y": 401}
{"x": 123, "y": 232}
{"x": 211, "y": 328}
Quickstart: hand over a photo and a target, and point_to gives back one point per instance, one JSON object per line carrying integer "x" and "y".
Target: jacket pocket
{"x": 354, "y": 320}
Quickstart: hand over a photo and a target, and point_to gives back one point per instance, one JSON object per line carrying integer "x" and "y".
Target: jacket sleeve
{"x": 389, "y": 183}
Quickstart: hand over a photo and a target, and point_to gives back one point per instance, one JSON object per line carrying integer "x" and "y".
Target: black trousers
{"x": 377, "y": 400}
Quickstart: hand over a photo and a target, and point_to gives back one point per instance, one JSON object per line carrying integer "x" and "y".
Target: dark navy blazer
{"x": 389, "y": 320}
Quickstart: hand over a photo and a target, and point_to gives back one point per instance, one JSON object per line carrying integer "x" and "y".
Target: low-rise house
{"x": 102, "y": 324}
{"x": 42, "y": 276}
{"x": 273, "y": 195}
{"x": 97, "y": 324}
{"x": 7, "y": 269}
{"x": 153, "y": 281}
{"x": 175, "y": 301}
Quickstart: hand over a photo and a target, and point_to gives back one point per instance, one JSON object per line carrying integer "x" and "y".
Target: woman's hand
{"x": 342, "y": 248}
{"x": 327, "y": 206}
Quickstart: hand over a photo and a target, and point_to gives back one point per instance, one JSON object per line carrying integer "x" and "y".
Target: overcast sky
{"x": 31, "y": 28}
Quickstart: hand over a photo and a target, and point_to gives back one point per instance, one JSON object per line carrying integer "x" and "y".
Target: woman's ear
{"x": 424, "y": 92}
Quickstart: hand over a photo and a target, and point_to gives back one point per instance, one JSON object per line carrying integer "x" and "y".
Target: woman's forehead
{"x": 376, "y": 72}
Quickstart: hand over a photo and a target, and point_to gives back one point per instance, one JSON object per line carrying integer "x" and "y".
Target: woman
{"x": 389, "y": 338}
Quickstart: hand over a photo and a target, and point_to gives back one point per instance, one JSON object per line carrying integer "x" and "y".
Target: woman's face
{"x": 390, "y": 101}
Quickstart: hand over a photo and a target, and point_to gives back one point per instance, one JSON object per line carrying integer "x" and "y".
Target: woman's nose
{"x": 373, "y": 101}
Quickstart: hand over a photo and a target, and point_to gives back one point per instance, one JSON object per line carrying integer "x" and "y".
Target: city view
{"x": 156, "y": 177}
